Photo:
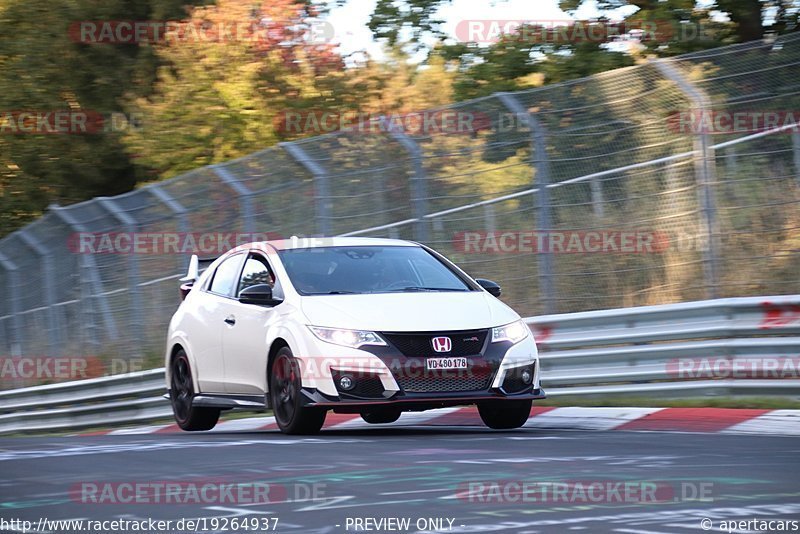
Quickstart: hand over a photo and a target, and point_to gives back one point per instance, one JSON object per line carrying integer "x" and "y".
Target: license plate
{"x": 445, "y": 363}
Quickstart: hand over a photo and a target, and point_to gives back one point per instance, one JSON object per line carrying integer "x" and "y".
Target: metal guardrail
{"x": 630, "y": 351}
{"x": 96, "y": 402}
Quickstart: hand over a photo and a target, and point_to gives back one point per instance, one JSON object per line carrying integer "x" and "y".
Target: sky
{"x": 350, "y": 20}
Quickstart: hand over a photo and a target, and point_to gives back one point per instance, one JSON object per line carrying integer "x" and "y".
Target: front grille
{"x": 476, "y": 379}
{"x": 418, "y": 344}
{"x": 368, "y": 386}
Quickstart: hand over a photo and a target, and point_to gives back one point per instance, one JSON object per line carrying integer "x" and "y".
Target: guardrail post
{"x": 541, "y": 177}
{"x": 322, "y": 194}
{"x": 176, "y": 208}
{"x": 705, "y": 170}
{"x": 796, "y": 150}
{"x": 244, "y": 194}
{"x": 90, "y": 270}
{"x": 419, "y": 183}
{"x": 12, "y": 279}
{"x": 48, "y": 275}
{"x": 131, "y": 226}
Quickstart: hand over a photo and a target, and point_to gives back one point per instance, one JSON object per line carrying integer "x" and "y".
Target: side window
{"x": 256, "y": 271}
{"x": 225, "y": 276}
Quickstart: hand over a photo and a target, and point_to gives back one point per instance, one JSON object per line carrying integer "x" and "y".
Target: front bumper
{"x": 394, "y": 377}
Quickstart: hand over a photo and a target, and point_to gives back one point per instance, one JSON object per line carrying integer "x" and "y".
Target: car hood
{"x": 407, "y": 312}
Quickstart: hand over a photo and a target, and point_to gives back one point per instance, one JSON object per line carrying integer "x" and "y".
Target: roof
{"x": 316, "y": 242}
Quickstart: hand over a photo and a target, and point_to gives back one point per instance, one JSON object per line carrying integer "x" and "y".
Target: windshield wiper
{"x": 419, "y": 288}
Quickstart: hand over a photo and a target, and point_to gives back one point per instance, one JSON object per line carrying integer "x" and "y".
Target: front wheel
{"x": 505, "y": 415}
{"x": 187, "y": 416}
{"x": 285, "y": 392}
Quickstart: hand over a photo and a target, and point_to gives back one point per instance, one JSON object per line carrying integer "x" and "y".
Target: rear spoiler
{"x": 193, "y": 273}
{"x": 194, "y": 270}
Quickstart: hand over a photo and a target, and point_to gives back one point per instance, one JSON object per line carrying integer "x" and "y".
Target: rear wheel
{"x": 187, "y": 416}
{"x": 292, "y": 417}
{"x": 504, "y": 415}
{"x": 380, "y": 416}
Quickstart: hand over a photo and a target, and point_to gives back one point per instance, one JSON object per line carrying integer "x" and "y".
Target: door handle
{"x": 231, "y": 320}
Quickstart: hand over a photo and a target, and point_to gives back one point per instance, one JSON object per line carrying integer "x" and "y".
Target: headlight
{"x": 347, "y": 338}
{"x": 513, "y": 332}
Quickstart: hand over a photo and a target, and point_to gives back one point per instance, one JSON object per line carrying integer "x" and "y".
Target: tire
{"x": 285, "y": 393}
{"x": 505, "y": 415}
{"x": 188, "y": 417}
{"x": 381, "y": 416}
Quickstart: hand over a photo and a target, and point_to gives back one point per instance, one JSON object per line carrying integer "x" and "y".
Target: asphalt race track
{"x": 417, "y": 473}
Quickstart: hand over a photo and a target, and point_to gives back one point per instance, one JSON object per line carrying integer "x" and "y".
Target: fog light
{"x": 346, "y": 383}
{"x": 527, "y": 376}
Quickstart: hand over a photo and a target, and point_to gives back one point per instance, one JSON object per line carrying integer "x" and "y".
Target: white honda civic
{"x": 354, "y": 325}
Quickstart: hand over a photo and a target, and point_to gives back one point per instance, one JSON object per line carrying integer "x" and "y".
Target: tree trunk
{"x": 747, "y": 14}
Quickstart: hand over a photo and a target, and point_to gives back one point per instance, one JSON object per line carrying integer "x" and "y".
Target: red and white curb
{"x": 722, "y": 420}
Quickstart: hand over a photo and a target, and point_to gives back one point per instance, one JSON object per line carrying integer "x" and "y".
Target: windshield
{"x": 368, "y": 269}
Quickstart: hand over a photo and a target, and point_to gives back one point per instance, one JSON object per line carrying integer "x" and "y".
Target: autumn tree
{"x": 46, "y": 69}
{"x": 223, "y": 87}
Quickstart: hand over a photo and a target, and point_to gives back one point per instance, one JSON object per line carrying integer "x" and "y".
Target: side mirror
{"x": 489, "y": 286}
{"x": 259, "y": 294}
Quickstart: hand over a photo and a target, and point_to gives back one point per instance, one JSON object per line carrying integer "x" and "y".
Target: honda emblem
{"x": 442, "y": 344}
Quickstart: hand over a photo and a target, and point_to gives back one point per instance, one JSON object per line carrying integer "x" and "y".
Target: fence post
{"x": 322, "y": 194}
{"x": 541, "y": 177}
{"x": 597, "y": 197}
{"x": 176, "y": 208}
{"x": 48, "y": 274}
{"x": 12, "y": 279}
{"x": 134, "y": 289}
{"x": 732, "y": 162}
{"x": 419, "y": 184}
{"x": 705, "y": 169}
{"x": 490, "y": 221}
{"x": 244, "y": 194}
{"x": 93, "y": 273}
